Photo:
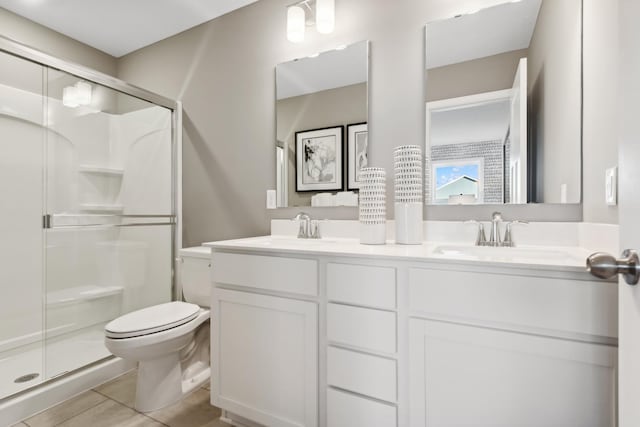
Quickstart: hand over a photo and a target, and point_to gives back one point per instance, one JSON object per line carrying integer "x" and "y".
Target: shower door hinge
{"x": 46, "y": 221}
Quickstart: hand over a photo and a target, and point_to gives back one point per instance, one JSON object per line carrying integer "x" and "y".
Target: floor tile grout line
{"x": 115, "y": 400}
{"x": 62, "y": 403}
{"x": 153, "y": 419}
{"x": 79, "y": 413}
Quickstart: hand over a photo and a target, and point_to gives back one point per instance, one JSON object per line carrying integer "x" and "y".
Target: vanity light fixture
{"x": 325, "y": 16}
{"x": 295, "y": 24}
{"x": 306, "y": 13}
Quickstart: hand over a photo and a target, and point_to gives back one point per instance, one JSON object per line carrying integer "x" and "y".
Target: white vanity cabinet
{"x": 502, "y": 350}
{"x": 330, "y": 339}
{"x": 264, "y": 347}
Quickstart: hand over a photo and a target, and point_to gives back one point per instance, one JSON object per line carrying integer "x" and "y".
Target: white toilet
{"x": 169, "y": 341}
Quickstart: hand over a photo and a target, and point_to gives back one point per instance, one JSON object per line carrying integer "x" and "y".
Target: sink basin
{"x": 507, "y": 254}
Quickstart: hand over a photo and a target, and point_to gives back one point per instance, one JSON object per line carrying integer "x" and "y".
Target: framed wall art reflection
{"x": 357, "y": 153}
{"x": 319, "y": 159}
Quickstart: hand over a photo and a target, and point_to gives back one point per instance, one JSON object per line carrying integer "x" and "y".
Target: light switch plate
{"x": 611, "y": 186}
{"x": 271, "y": 199}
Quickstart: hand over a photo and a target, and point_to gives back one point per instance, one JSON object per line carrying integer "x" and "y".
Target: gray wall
{"x": 600, "y": 143}
{"x": 223, "y": 71}
{"x": 334, "y": 107}
{"x": 35, "y": 35}
{"x": 554, "y": 99}
{"x": 487, "y": 74}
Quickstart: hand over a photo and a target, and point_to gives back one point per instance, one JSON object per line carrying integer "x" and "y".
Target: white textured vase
{"x": 372, "y": 207}
{"x": 408, "y": 217}
{"x": 408, "y": 194}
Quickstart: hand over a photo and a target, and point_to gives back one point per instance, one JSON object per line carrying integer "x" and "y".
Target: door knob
{"x": 606, "y": 266}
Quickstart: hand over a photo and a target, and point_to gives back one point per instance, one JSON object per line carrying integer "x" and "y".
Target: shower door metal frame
{"x": 28, "y": 53}
{"x": 20, "y": 50}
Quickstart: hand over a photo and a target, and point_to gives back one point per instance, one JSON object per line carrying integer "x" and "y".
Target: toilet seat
{"x": 152, "y": 320}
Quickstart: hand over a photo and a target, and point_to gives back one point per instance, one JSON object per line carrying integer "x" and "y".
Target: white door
{"x": 518, "y": 135}
{"x": 629, "y": 210}
{"x": 264, "y": 358}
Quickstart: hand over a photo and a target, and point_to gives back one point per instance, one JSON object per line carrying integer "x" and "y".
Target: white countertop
{"x": 555, "y": 258}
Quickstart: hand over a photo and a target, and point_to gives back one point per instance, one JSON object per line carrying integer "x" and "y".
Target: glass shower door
{"x": 21, "y": 209}
{"x": 110, "y": 220}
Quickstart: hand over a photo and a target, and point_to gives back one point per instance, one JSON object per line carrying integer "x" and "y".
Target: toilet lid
{"x": 152, "y": 319}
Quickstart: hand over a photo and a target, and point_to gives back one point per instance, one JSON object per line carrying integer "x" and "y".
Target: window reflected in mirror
{"x": 503, "y": 105}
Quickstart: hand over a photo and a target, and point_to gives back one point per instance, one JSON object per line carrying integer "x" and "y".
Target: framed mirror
{"x": 504, "y": 105}
{"x": 322, "y": 127}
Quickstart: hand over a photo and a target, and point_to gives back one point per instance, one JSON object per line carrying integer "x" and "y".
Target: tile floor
{"x": 111, "y": 405}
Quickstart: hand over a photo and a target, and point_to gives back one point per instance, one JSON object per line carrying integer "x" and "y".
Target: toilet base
{"x": 159, "y": 383}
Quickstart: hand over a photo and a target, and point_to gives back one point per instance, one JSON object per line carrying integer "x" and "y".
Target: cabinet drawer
{"x": 363, "y": 285}
{"x": 347, "y": 410}
{"x": 362, "y": 327}
{"x": 362, "y": 373}
{"x": 577, "y": 306}
{"x": 292, "y": 275}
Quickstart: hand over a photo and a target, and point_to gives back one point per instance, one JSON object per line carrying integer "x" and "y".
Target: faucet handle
{"x": 315, "y": 230}
{"x": 481, "y": 239}
{"x": 508, "y": 238}
{"x": 303, "y": 219}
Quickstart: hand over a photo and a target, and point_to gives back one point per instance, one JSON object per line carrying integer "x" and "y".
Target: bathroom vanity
{"x": 334, "y": 333}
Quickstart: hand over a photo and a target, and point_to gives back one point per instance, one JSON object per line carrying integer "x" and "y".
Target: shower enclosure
{"x": 88, "y": 212}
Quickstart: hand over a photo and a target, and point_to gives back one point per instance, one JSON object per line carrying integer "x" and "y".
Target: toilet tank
{"x": 195, "y": 270}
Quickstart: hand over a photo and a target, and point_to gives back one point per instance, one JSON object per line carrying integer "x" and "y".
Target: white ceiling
{"x": 329, "y": 70}
{"x": 488, "y": 32}
{"x": 483, "y": 122}
{"x": 118, "y": 27}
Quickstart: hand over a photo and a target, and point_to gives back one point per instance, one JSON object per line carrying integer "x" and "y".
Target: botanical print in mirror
{"x": 319, "y": 159}
{"x": 314, "y": 92}
{"x": 357, "y": 153}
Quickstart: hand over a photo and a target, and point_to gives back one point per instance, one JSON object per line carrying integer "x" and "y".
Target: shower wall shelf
{"x": 81, "y": 293}
{"x": 101, "y": 170}
{"x": 96, "y": 207}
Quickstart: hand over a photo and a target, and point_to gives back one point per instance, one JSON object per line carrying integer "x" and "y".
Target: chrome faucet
{"x": 495, "y": 239}
{"x": 309, "y": 229}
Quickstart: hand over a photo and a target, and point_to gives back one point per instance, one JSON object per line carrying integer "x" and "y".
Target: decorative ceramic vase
{"x": 408, "y": 194}
{"x": 372, "y": 206}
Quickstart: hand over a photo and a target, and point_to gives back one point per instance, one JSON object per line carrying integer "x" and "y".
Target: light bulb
{"x": 70, "y": 97}
{"x": 295, "y": 24}
{"x": 325, "y": 16}
{"x": 83, "y": 93}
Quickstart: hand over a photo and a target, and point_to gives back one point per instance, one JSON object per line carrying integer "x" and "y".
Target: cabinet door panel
{"x": 264, "y": 358}
{"x": 463, "y": 375}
